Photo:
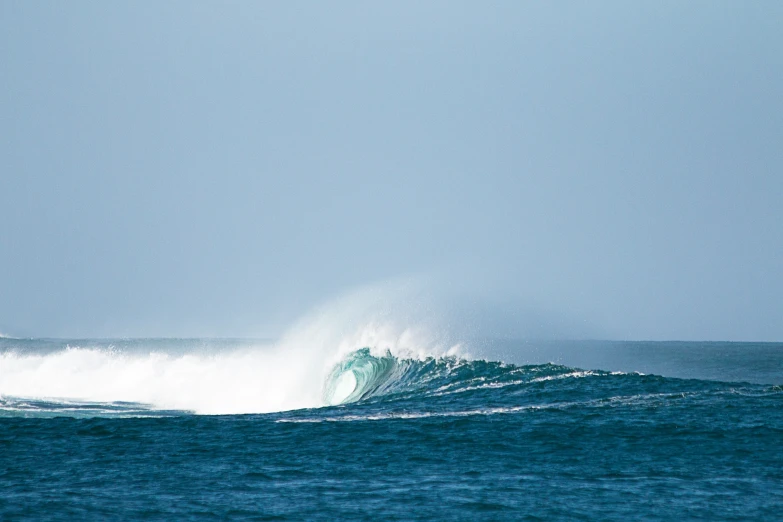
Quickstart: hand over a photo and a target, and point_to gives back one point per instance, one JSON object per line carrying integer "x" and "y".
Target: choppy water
{"x": 96, "y": 430}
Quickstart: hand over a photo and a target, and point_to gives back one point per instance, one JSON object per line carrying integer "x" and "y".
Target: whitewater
{"x": 217, "y": 376}
{"x": 249, "y": 377}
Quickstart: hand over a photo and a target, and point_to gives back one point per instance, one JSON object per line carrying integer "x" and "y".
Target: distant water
{"x": 160, "y": 429}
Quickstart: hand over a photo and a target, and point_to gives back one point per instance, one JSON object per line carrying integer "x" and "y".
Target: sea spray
{"x": 262, "y": 377}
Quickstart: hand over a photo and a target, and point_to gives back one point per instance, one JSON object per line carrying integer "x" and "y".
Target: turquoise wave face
{"x": 367, "y": 387}
{"x": 360, "y": 375}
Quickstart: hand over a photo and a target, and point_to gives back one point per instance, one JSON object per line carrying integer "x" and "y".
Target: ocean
{"x": 211, "y": 429}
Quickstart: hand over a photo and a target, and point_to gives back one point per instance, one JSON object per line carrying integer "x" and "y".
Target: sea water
{"x": 389, "y": 427}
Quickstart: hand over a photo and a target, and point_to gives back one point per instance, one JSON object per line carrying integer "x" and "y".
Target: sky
{"x": 189, "y": 168}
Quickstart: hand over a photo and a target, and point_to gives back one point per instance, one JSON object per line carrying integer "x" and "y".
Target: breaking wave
{"x": 158, "y": 375}
{"x": 122, "y": 381}
{"x": 219, "y": 376}
{"x": 353, "y": 352}
{"x": 363, "y": 376}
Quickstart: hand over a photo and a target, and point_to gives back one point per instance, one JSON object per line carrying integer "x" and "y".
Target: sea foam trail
{"x": 289, "y": 374}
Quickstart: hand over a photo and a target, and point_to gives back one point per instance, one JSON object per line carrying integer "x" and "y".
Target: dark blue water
{"x": 425, "y": 439}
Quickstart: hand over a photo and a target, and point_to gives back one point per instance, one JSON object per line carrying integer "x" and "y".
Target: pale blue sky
{"x": 193, "y": 168}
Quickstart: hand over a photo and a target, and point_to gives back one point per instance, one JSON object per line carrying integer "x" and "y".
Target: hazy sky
{"x": 193, "y": 168}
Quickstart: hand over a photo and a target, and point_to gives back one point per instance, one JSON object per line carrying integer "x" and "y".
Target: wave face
{"x": 387, "y": 387}
{"x": 392, "y": 378}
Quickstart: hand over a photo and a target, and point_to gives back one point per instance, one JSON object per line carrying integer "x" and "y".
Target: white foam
{"x": 444, "y": 390}
{"x": 571, "y": 375}
{"x": 413, "y": 415}
{"x": 286, "y": 375}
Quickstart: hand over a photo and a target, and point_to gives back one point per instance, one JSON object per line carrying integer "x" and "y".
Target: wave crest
{"x": 362, "y": 375}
